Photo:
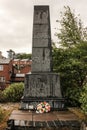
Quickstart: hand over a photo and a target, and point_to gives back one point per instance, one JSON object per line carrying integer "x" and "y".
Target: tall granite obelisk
{"x": 42, "y": 84}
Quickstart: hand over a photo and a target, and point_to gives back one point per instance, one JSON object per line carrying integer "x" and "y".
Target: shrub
{"x": 14, "y": 92}
{"x": 73, "y": 95}
{"x": 83, "y": 99}
{"x": 2, "y": 96}
{"x": 1, "y": 114}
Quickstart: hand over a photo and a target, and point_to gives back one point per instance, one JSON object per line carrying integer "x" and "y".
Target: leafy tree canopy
{"x": 12, "y": 55}
{"x": 70, "y": 59}
{"x": 23, "y": 56}
{"x": 72, "y": 31}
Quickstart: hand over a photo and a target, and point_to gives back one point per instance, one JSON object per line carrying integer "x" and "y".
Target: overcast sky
{"x": 16, "y": 21}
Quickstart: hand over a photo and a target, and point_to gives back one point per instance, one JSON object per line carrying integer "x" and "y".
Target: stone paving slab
{"x": 66, "y": 115}
{"x": 45, "y": 117}
{"x": 54, "y": 120}
{"x": 21, "y": 115}
{"x": 32, "y": 116}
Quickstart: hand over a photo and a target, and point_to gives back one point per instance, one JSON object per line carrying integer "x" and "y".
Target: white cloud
{"x": 16, "y": 20}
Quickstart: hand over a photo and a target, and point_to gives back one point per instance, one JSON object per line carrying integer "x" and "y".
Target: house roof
{"x": 25, "y": 60}
{"x": 21, "y": 60}
{"x": 20, "y": 75}
{"x": 16, "y": 59}
{"x": 5, "y": 61}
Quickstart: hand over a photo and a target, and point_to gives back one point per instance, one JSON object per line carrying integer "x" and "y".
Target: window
{"x": 2, "y": 79}
{"x": 1, "y": 67}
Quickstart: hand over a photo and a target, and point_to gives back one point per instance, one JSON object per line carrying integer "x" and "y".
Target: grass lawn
{"x": 7, "y": 108}
{"x": 79, "y": 113}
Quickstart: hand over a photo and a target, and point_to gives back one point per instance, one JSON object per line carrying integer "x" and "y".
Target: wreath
{"x": 43, "y": 107}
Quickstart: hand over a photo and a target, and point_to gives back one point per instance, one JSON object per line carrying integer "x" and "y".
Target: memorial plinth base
{"x": 54, "y": 120}
{"x": 40, "y": 87}
{"x": 32, "y": 102}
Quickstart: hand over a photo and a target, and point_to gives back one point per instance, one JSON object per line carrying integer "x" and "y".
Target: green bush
{"x": 2, "y": 96}
{"x": 1, "y": 114}
{"x": 83, "y": 99}
{"x": 14, "y": 92}
{"x": 73, "y": 95}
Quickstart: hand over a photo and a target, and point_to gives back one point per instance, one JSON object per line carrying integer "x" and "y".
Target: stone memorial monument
{"x": 42, "y": 84}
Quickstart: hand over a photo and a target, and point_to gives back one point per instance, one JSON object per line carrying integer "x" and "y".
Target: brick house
{"x": 13, "y": 71}
{"x": 5, "y": 72}
{"x": 19, "y": 69}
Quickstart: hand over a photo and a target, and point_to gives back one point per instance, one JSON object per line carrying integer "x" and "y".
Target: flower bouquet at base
{"x": 43, "y": 107}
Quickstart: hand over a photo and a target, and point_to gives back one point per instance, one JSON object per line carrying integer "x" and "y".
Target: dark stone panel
{"x": 41, "y": 60}
{"x": 42, "y": 85}
{"x": 41, "y": 14}
{"x": 51, "y": 124}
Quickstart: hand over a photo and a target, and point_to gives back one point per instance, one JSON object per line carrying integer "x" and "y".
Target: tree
{"x": 13, "y": 55}
{"x": 70, "y": 59}
{"x": 23, "y": 56}
{"x": 72, "y": 32}
{"x": 72, "y": 66}
{"x": 83, "y": 98}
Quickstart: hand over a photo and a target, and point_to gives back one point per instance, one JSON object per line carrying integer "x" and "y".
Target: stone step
{"x": 23, "y": 124}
